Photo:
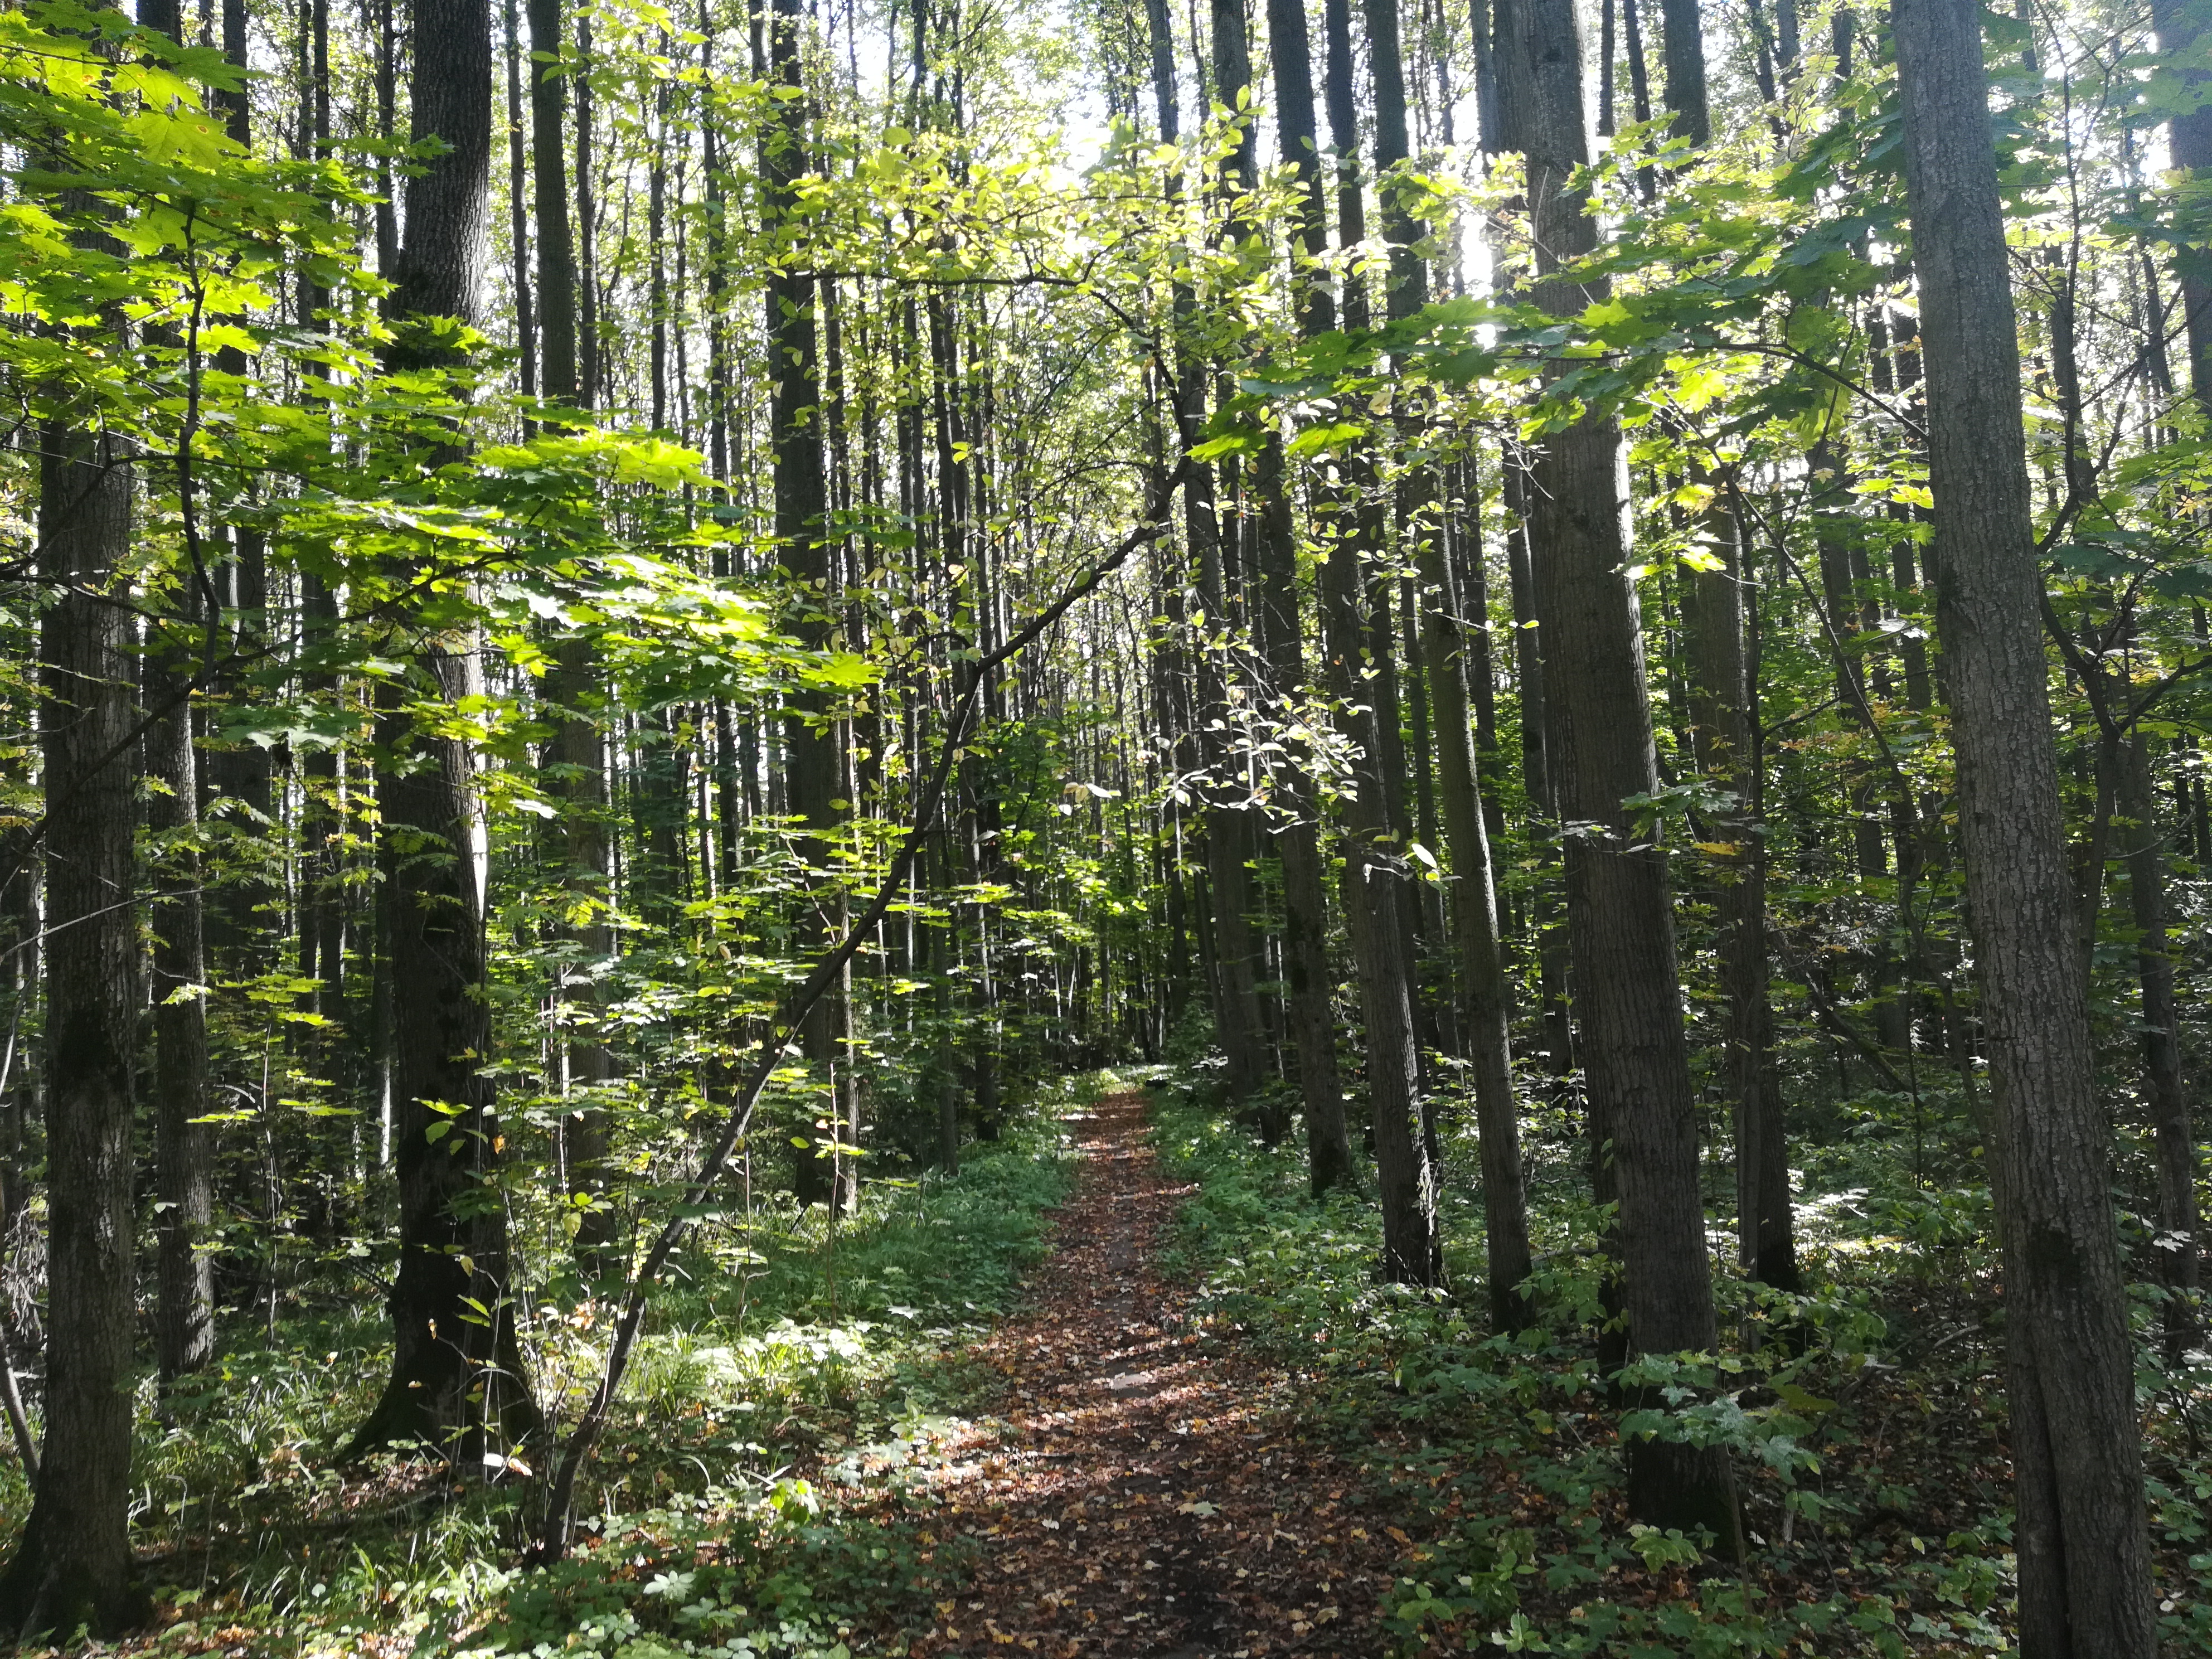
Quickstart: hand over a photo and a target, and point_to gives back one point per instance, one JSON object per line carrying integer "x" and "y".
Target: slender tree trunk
{"x": 1235, "y": 996}
{"x": 2180, "y": 25}
{"x": 1727, "y": 742}
{"x": 1487, "y": 999}
{"x": 518, "y": 202}
{"x": 1305, "y": 918}
{"x": 1485, "y": 1005}
{"x": 2175, "y": 1248}
{"x": 1726, "y": 745}
{"x": 184, "y": 1320}
{"x": 1598, "y": 724}
{"x": 183, "y": 1311}
{"x": 458, "y": 1381}
{"x": 2082, "y": 1535}
{"x": 801, "y": 532}
{"x": 589, "y": 356}
{"x": 1373, "y": 879}
{"x": 556, "y": 245}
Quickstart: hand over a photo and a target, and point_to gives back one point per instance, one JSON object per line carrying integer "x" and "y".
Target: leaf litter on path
{"x": 1146, "y": 1490}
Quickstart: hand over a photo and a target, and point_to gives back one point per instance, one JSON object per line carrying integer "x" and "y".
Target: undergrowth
{"x": 1865, "y": 1419}
{"x": 751, "y": 1497}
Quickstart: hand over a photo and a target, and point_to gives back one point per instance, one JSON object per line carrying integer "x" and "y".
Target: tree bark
{"x": 1373, "y": 879}
{"x": 556, "y": 242}
{"x": 73, "y": 1565}
{"x": 1305, "y": 919}
{"x": 2176, "y": 1247}
{"x": 1727, "y": 740}
{"x": 458, "y": 1384}
{"x": 2085, "y": 1578}
{"x": 2181, "y": 25}
{"x": 802, "y": 486}
{"x": 1486, "y": 999}
{"x": 183, "y": 1305}
{"x": 1726, "y": 743}
{"x": 184, "y": 1316}
{"x": 1598, "y": 726}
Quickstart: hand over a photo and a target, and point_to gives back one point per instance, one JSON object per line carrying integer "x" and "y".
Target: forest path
{"x": 1145, "y": 1491}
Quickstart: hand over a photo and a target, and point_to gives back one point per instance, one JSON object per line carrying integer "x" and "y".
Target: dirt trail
{"x": 1145, "y": 1494}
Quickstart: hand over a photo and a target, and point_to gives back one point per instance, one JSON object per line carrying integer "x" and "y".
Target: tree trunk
{"x": 1727, "y": 740}
{"x": 1235, "y": 997}
{"x": 579, "y": 776}
{"x": 2180, "y": 27}
{"x": 1374, "y": 881}
{"x": 518, "y": 203}
{"x": 183, "y": 1307}
{"x": 73, "y": 1565}
{"x": 2085, "y": 1578}
{"x": 1306, "y": 917}
{"x": 1485, "y": 997}
{"x": 801, "y": 532}
{"x": 1598, "y": 726}
{"x": 458, "y": 1383}
{"x": 2142, "y": 854}
{"x": 2175, "y": 1248}
{"x": 184, "y": 1317}
{"x": 556, "y": 244}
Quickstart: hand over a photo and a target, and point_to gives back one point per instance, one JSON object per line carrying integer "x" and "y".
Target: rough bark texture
{"x": 556, "y": 242}
{"x": 458, "y": 1383}
{"x": 1685, "y": 53}
{"x": 1598, "y": 726}
{"x": 802, "y": 499}
{"x": 1375, "y": 879}
{"x": 1305, "y": 920}
{"x": 73, "y": 1565}
{"x": 2085, "y": 1583}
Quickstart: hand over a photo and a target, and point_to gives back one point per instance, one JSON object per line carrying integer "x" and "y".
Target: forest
{"x": 839, "y": 828}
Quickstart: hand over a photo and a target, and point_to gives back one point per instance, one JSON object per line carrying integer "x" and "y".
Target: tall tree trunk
{"x": 1486, "y": 1004}
{"x": 2181, "y": 26}
{"x": 801, "y": 532}
{"x": 184, "y": 1309}
{"x": 518, "y": 204}
{"x": 2175, "y": 1247}
{"x": 1598, "y": 724}
{"x": 580, "y": 740}
{"x": 1726, "y": 736}
{"x": 1726, "y": 743}
{"x": 589, "y": 358}
{"x": 458, "y": 1381}
{"x": 2085, "y": 1577}
{"x": 557, "y": 243}
{"x": 184, "y": 1317}
{"x": 1234, "y": 984}
{"x": 1374, "y": 880}
{"x": 73, "y": 1565}
{"x": 1306, "y": 917}
{"x": 1487, "y": 999}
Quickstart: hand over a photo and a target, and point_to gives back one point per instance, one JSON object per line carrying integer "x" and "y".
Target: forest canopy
{"x": 724, "y": 721}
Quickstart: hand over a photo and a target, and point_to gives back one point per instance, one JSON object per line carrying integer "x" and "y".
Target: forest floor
{"x": 1145, "y": 1489}
{"x": 1120, "y": 1386}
